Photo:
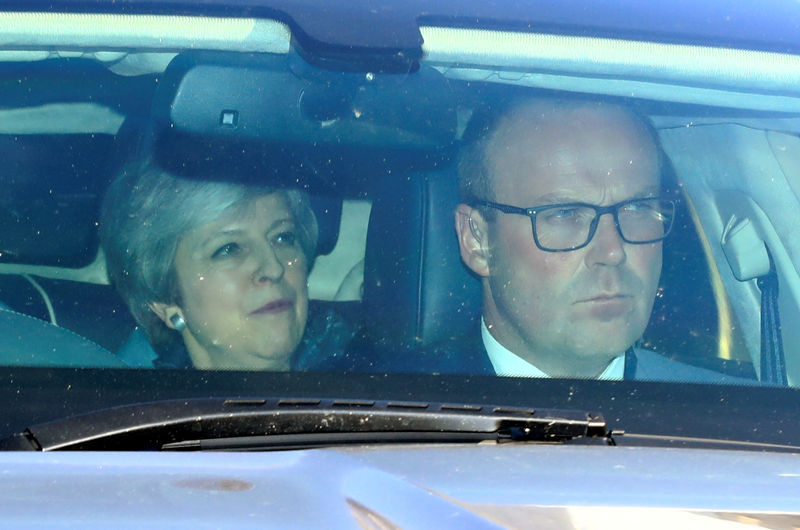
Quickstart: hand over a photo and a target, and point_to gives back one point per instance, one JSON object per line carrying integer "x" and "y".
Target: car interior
{"x": 377, "y": 153}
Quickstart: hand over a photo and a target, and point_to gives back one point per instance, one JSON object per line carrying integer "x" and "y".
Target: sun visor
{"x": 268, "y": 98}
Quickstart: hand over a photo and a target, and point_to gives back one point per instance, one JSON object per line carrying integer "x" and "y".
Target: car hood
{"x": 483, "y": 486}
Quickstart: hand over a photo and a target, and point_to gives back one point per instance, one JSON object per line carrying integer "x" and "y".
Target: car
{"x": 366, "y": 108}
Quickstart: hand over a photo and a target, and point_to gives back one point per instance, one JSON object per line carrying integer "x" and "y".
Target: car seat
{"x": 29, "y": 341}
{"x": 93, "y": 311}
{"x": 417, "y": 292}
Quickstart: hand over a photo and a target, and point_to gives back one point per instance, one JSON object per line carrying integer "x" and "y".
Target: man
{"x": 562, "y": 220}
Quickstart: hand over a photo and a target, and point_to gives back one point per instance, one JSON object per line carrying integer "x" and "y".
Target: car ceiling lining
{"x": 92, "y": 31}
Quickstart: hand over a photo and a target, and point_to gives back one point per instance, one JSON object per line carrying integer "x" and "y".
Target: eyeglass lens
{"x": 568, "y": 227}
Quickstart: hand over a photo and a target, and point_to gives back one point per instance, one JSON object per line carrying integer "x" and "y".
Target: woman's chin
{"x": 271, "y": 357}
{"x": 256, "y": 362}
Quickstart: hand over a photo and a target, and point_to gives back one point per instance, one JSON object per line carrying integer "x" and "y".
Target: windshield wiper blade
{"x": 280, "y": 423}
{"x": 276, "y": 442}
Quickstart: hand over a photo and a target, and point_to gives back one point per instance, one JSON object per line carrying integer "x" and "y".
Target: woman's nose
{"x": 269, "y": 268}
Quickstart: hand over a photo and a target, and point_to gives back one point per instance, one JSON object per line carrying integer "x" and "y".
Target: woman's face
{"x": 242, "y": 282}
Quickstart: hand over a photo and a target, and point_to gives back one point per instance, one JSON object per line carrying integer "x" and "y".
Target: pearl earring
{"x": 178, "y": 322}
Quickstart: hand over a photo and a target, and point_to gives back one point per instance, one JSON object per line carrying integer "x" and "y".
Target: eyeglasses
{"x": 570, "y": 226}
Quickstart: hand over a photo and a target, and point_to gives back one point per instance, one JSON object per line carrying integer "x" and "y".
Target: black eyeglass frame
{"x": 613, "y": 209}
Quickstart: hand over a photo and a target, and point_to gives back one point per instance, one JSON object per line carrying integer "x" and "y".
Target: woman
{"x": 215, "y": 272}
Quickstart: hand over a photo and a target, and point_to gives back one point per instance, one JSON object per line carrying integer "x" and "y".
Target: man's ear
{"x": 473, "y": 241}
{"x": 170, "y": 314}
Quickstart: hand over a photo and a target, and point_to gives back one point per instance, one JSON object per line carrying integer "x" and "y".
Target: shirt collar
{"x": 508, "y": 364}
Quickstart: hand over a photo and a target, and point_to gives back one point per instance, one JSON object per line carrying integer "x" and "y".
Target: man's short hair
{"x": 474, "y": 174}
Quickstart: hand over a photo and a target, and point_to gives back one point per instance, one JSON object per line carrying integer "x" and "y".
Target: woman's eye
{"x": 286, "y": 239}
{"x": 229, "y": 249}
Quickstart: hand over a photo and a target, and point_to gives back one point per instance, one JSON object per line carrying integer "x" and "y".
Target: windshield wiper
{"x": 276, "y": 424}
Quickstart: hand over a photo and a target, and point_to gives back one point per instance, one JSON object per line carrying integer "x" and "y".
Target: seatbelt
{"x": 629, "y": 373}
{"x": 773, "y": 362}
{"x": 749, "y": 257}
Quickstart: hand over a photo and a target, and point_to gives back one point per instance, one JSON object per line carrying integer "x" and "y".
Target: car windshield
{"x": 554, "y": 214}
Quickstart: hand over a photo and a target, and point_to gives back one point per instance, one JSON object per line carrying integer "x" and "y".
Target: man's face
{"x": 570, "y": 313}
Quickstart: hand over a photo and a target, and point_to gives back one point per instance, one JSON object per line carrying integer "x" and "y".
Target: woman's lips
{"x": 273, "y": 308}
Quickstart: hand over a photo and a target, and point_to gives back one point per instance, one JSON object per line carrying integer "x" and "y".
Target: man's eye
{"x": 566, "y": 212}
{"x": 560, "y": 215}
{"x": 286, "y": 239}
{"x": 226, "y": 250}
{"x": 643, "y": 208}
{"x": 638, "y": 206}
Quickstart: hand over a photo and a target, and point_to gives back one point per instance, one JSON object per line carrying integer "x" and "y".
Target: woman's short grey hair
{"x": 146, "y": 214}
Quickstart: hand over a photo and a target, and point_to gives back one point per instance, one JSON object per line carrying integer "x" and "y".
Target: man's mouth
{"x": 273, "y": 308}
{"x": 606, "y": 297}
{"x": 606, "y": 307}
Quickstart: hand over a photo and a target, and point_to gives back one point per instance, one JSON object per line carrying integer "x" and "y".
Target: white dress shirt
{"x": 508, "y": 364}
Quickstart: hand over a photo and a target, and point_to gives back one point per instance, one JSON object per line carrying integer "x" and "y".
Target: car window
{"x": 239, "y": 201}
{"x": 339, "y": 275}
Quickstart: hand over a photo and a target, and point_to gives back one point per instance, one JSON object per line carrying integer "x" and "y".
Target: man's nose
{"x": 268, "y": 266}
{"x": 607, "y": 246}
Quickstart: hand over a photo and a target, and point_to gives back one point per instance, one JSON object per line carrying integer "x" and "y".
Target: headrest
{"x": 416, "y": 289}
{"x": 49, "y": 203}
{"x": 328, "y": 211}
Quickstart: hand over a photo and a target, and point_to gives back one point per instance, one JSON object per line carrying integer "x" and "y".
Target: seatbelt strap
{"x": 629, "y": 374}
{"x": 773, "y": 362}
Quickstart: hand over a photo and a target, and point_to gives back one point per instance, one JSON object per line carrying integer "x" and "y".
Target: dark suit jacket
{"x": 469, "y": 357}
